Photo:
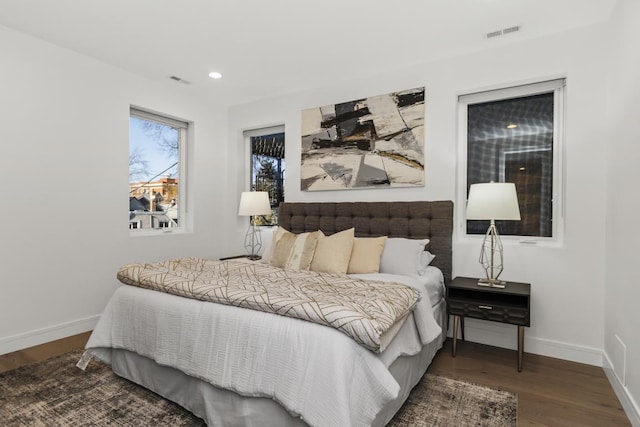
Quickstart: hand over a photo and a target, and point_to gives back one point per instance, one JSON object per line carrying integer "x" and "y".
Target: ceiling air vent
{"x": 179, "y": 80}
{"x": 502, "y": 32}
{"x": 511, "y": 30}
{"x": 494, "y": 34}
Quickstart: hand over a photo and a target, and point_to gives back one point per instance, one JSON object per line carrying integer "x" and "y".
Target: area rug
{"x": 440, "y": 401}
{"x": 56, "y": 393}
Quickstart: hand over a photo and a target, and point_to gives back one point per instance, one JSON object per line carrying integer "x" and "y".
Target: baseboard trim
{"x": 48, "y": 334}
{"x": 560, "y": 350}
{"x": 631, "y": 408}
{"x": 505, "y": 336}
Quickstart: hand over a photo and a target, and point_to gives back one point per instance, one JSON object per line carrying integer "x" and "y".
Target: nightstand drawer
{"x": 490, "y": 311}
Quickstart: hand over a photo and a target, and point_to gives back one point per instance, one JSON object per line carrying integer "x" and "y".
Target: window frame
{"x": 558, "y": 87}
{"x": 185, "y": 134}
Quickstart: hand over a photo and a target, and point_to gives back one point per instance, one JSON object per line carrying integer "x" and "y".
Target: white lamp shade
{"x": 254, "y": 203}
{"x": 493, "y": 200}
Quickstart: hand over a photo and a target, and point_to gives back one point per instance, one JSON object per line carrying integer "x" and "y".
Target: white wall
{"x": 567, "y": 280}
{"x": 623, "y": 204}
{"x": 64, "y": 133}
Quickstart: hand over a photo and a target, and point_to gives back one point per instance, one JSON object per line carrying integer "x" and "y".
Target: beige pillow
{"x": 333, "y": 252}
{"x": 365, "y": 256}
{"x": 294, "y": 251}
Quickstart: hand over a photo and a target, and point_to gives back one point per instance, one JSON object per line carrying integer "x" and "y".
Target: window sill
{"x": 156, "y": 232}
{"x": 512, "y": 241}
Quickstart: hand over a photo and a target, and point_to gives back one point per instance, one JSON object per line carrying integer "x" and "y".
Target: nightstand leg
{"x": 462, "y": 327}
{"x": 520, "y": 346}
{"x": 456, "y": 320}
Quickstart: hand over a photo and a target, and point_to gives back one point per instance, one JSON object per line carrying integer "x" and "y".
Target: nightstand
{"x": 511, "y": 304}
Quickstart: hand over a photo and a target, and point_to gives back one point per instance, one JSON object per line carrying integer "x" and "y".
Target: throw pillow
{"x": 333, "y": 252}
{"x": 294, "y": 251}
{"x": 365, "y": 255}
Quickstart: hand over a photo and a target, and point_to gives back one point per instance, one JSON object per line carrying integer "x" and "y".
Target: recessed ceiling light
{"x": 512, "y": 126}
{"x": 215, "y": 75}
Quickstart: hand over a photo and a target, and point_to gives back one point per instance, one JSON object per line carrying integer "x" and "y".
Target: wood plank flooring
{"x": 551, "y": 392}
{"x": 41, "y": 352}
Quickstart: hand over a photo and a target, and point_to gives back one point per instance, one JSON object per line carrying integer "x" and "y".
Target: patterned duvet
{"x": 364, "y": 310}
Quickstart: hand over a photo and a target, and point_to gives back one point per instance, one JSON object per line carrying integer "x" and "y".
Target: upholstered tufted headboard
{"x": 414, "y": 220}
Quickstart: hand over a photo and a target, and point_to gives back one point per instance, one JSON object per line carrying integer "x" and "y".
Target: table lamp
{"x": 492, "y": 201}
{"x": 253, "y": 203}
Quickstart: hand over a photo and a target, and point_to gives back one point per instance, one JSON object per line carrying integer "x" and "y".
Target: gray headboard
{"x": 414, "y": 220}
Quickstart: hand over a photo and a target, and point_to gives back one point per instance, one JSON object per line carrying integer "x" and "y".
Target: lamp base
{"x": 492, "y": 283}
{"x": 252, "y": 242}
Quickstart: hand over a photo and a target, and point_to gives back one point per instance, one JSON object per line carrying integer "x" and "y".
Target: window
{"x": 156, "y": 151}
{"x": 267, "y": 167}
{"x": 514, "y": 135}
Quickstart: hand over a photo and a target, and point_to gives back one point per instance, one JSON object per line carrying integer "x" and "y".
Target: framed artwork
{"x": 375, "y": 142}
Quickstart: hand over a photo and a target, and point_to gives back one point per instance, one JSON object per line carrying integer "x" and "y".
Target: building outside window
{"x": 267, "y": 168}
{"x": 515, "y": 135}
{"x": 157, "y": 147}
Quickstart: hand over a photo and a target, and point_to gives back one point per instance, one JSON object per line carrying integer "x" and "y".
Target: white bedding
{"x": 432, "y": 281}
{"x": 413, "y": 335}
{"x": 314, "y": 371}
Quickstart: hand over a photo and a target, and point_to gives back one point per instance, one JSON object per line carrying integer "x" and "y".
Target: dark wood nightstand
{"x": 512, "y": 305}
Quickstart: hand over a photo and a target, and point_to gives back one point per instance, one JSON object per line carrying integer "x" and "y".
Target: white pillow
{"x": 402, "y": 256}
{"x": 269, "y": 238}
{"x": 425, "y": 259}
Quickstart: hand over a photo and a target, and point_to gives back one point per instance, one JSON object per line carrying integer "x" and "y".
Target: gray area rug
{"x": 56, "y": 393}
{"x": 440, "y": 401}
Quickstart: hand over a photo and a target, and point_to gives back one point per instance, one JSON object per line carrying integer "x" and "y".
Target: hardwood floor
{"x": 41, "y": 352}
{"x": 551, "y": 392}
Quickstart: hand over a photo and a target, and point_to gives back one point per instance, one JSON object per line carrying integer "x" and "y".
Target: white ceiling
{"x": 265, "y": 48}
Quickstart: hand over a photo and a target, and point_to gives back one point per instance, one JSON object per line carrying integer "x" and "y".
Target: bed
{"x": 233, "y": 366}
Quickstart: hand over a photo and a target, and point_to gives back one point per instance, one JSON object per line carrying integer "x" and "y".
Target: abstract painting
{"x": 375, "y": 142}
